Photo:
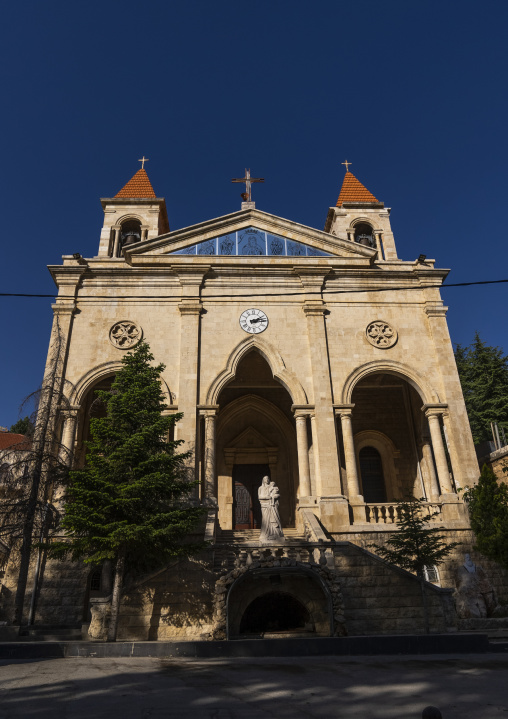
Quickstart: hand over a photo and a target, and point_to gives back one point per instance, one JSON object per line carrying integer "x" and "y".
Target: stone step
{"x": 56, "y": 632}
{"x": 60, "y": 637}
{"x": 252, "y": 535}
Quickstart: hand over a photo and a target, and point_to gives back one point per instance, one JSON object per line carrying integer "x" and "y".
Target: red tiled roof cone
{"x": 352, "y": 190}
{"x": 138, "y": 186}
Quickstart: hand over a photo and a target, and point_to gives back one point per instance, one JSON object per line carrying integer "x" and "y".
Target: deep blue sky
{"x": 413, "y": 93}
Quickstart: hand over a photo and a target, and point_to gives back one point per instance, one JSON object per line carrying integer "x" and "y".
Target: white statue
{"x": 475, "y": 597}
{"x": 271, "y": 526}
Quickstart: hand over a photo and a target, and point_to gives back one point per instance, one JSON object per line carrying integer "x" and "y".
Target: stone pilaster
{"x": 461, "y": 447}
{"x": 190, "y": 307}
{"x": 314, "y": 308}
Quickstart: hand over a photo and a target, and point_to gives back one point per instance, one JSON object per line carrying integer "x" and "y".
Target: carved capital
{"x": 343, "y": 410}
{"x": 435, "y": 410}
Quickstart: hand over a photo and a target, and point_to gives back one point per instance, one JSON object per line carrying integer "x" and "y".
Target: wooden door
{"x": 246, "y": 481}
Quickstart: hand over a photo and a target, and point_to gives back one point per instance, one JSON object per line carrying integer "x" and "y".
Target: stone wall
{"x": 61, "y": 594}
{"x": 382, "y": 599}
{"x": 447, "y": 571}
{"x": 176, "y": 602}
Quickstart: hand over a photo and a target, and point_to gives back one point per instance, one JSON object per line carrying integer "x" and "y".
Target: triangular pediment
{"x": 250, "y": 233}
{"x": 249, "y": 438}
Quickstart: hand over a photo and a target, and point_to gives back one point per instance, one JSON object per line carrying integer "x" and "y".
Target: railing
{"x": 390, "y": 512}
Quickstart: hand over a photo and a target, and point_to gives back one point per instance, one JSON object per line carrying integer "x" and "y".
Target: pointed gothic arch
{"x": 288, "y": 380}
{"x": 100, "y": 372}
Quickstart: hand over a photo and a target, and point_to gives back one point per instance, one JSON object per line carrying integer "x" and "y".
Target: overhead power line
{"x": 264, "y": 294}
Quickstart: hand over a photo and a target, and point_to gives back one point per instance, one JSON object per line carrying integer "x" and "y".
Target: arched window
{"x": 131, "y": 232}
{"x": 373, "y": 481}
{"x": 364, "y": 234}
{"x": 431, "y": 574}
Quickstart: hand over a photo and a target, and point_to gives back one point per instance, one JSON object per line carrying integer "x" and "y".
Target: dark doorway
{"x": 371, "y": 469}
{"x": 275, "y": 612}
{"x": 246, "y": 481}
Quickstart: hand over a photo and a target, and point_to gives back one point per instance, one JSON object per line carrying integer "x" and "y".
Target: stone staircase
{"x": 229, "y": 540}
{"x": 247, "y": 536}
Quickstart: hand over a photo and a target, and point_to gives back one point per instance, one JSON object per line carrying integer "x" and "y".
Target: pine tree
{"x": 415, "y": 546}
{"x": 483, "y": 372}
{"x": 131, "y": 502}
{"x": 23, "y": 426}
{"x": 487, "y": 503}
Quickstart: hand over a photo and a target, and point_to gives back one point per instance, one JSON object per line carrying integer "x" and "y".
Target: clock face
{"x": 253, "y": 321}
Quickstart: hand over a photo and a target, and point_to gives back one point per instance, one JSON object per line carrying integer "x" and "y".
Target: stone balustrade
{"x": 389, "y": 512}
{"x": 283, "y": 555}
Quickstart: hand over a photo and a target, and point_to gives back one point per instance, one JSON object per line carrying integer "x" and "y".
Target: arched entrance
{"x": 279, "y": 601}
{"x": 277, "y": 612}
{"x": 255, "y": 437}
{"x": 391, "y": 437}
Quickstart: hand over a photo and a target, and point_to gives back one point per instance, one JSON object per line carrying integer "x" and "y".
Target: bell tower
{"x": 133, "y": 215}
{"x": 360, "y": 217}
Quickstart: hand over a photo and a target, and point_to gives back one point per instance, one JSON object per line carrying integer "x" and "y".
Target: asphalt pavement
{"x": 471, "y": 686}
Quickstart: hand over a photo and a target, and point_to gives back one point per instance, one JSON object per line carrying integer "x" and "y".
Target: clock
{"x": 253, "y": 321}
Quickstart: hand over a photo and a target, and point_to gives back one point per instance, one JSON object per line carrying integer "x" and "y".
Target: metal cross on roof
{"x": 247, "y": 196}
{"x": 347, "y": 165}
{"x": 143, "y": 160}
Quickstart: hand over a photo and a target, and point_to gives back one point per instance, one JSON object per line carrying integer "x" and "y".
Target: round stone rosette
{"x": 381, "y": 334}
{"x": 125, "y": 334}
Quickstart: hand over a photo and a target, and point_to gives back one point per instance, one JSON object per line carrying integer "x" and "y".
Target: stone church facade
{"x": 316, "y": 357}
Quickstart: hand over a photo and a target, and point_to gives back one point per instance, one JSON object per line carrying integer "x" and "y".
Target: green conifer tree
{"x": 483, "y": 372}
{"x": 415, "y": 545}
{"x": 487, "y": 503}
{"x": 23, "y": 426}
{"x": 131, "y": 502}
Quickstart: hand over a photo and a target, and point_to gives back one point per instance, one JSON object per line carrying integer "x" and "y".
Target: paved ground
{"x": 469, "y": 687}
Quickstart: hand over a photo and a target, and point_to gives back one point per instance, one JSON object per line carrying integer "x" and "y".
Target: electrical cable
{"x": 262, "y": 294}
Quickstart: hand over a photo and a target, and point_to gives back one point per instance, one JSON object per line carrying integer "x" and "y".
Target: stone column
{"x": 315, "y": 445}
{"x": 209, "y": 493}
{"x": 431, "y": 482}
{"x": 353, "y": 483}
{"x": 433, "y": 413}
{"x": 379, "y": 246}
{"x": 116, "y": 241}
{"x": 303, "y": 453}
{"x": 144, "y": 232}
{"x": 68, "y": 434}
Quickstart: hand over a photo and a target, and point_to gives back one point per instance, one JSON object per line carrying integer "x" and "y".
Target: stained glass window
{"x": 251, "y": 242}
